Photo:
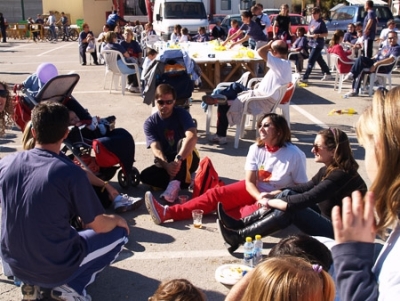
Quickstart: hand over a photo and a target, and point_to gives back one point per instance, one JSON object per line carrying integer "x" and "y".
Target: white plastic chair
{"x": 374, "y": 75}
{"x": 339, "y": 76}
{"x": 242, "y": 80}
{"x": 111, "y": 57}
{"x": 291, "y": 54}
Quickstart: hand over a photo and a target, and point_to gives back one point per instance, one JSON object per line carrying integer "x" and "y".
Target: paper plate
{"x": 231, "y": 273}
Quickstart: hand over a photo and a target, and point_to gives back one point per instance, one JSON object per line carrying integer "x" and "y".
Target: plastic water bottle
{"x": 257, "y": 250}
{"x": 248, "y": 252}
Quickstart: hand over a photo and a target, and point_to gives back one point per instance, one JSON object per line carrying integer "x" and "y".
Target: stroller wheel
{"x": 123, "y": 180}
{"x": 135, "y": 177}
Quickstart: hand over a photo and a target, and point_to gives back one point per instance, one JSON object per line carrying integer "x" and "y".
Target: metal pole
{"x": 23, "y": 9}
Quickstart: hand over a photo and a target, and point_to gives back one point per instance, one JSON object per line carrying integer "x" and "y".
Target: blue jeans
{"x": 309, "y": 220}
{"x": 52, "y": 29}
{"x": 315, "y": 56}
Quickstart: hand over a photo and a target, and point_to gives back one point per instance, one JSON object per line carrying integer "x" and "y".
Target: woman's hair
{"x": 85, "y": 25}
{"x": 281, "y": 126}
{"x": 234, "y": 22}
{"x": 246, "y": 14}
{"x": 303, "y": 246}
{"x": 379, "y": 127}
{"x": 6, "y": 114}
{"x": 302, "y": 30}
{"x": 286, "y": 12}
{"x": 110, "y": 36}
{"x": 28, "y": 141}
{"x": 289, "y": 278}
{"x": 128, "y": 30}
{"x": 137, "y": 22}
{"x": 336, "y": 38}
{"x": 177, "y": 290}
{"x": 151, "y": 51}
{"x": 338, "y": 141}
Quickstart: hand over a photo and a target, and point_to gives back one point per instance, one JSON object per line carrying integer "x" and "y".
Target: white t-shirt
{"x": 184, "y": 38}
{"x": 279, "y": 73}
{"x": 285, "y": 167}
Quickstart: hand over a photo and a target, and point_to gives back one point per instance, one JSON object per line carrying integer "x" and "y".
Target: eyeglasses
{"x": 164, "y": 102}
{"x": 318, "y": 147}
{"x": 3, "y": 93}
{"x": 265, "y": 125}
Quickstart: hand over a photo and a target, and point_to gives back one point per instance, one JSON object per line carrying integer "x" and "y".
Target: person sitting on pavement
{"x": 335, "y": 47}
{"x": 111, "y": 40}
{"x": 177, "y": 290}
{"x": 308, "y": 206}
{"x": 218, "y": 32}
{"x": 201, "y": 36}
{"x": 253, "y": 30}
{"x": 272, "y": 163}
{"x": 279, "y": 73}
{"x": 85, "y": 37}
{"x": 300, "y": 246}
{"x": 172, "y": 136}
{"x": 41, "y": 190}
{"x": 289, "y": 279}
{"x": 6, "y": 108}
{"x": 386, "y": 55}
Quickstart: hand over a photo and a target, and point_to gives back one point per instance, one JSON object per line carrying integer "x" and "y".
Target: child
{"x": 289, "y": 279}
{"x": 358, "y": 46}
{"x": 176, "y": 35}
{"x": 201, "y": 36}
{"x": 93, "y": 128}
{"x": 234, "y": 28}
{"x": 151, "y": 55}
{"x": 177, "y": 290}
{"x": 185, "y": 35}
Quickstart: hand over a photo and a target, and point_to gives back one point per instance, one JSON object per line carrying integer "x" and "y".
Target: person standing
{"x": 51, "y": 21}
{"x": 41, "y": 190}
{"x": 369, "y": 28}
{"x": 317, "y": 32}
{"x": 64, "y": 23}
{"x": 3, "y": 28}
{"x": 282, "y": 23}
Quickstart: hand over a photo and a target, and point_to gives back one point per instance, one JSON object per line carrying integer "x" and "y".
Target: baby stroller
{"x": 113, "y": 149}
{"x": 176, "y": 68}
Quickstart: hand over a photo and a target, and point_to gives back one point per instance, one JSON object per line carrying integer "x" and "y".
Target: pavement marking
{"x": 308, "y": 115}
{"x": 54, "y": 49}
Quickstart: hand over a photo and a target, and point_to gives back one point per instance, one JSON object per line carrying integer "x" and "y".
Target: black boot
{"x": 274, "y": 221}
{"x": 236, "y": 224}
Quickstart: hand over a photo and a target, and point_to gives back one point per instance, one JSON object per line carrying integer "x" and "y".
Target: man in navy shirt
{"x": 40, "y": 191}
{"x": 369, "y": 28}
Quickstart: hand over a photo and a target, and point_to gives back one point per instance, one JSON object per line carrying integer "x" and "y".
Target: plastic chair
{"x": 242, "y": 80}
{"x": 240, "y": 128}
{"x": 110, "y": 58}
{"x": 339, "y": 75}
{"x": 293, "y": 53}
{"x": 374, "y": 75}
{"x": 284, "y": 105}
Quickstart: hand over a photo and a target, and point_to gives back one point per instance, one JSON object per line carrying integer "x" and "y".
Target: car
{"x": 214, "y": 20}
{"x": 346, "y": 14}
{"x": 271, "y": 11}
{"x": 295, "y": 21}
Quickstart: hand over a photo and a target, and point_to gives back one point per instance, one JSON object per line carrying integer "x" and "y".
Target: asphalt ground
{"x": 175, "y": 249}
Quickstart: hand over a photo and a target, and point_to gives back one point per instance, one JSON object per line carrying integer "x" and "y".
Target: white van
{"x": 187, "y": 13}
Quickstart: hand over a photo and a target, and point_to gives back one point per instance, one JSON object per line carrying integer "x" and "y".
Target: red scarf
{"x": 272, "y": 149}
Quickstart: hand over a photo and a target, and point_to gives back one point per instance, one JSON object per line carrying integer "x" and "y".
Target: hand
{"x": 263, "y": 203}
{"x": 173, "y": 168}
{"x": 357, "y": 221}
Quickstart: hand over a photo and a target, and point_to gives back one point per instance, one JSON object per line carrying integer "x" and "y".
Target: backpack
{"x": 206, "y": 178}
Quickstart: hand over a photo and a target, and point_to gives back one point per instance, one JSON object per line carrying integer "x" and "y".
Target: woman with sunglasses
{"x": 308, "y": 206}
{"x": 6, "y": 108}
{"x": 272, "y": 163}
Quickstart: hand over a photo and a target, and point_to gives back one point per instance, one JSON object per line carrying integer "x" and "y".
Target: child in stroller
{"x": 108, "y": 156}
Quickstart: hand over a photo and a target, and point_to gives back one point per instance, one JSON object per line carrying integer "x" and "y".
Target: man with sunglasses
{"x": 172, "y": 136}
{"x": 363, "y": 64}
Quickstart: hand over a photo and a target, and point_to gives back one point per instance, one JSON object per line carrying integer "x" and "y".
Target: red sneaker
{"x": 157, "y": 211}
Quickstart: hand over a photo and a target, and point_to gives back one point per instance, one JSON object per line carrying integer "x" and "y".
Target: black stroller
{"x": 113, "y": 149}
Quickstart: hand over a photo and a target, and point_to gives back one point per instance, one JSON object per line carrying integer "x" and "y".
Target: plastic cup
{"x": 197, "y": 218}
{"x": 183, "y": 198}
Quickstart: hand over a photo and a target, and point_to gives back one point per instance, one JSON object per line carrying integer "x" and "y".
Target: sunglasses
{"x": 3, "y": 93}
{"x": 318, "y": 147}
{"x": 265, "y": 125}
{"x": 165, "y": 102}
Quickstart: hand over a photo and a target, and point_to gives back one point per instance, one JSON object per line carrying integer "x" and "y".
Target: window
{"x": 226, "y": 4}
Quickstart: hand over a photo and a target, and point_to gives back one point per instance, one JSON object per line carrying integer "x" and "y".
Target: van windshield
{"x": 184, "y": 10}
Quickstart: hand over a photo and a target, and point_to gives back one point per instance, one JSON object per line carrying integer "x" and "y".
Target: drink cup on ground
{"x": 197, "y": 218}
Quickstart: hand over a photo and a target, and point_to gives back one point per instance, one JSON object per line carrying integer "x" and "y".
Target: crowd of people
{"x": 274, "y": 194}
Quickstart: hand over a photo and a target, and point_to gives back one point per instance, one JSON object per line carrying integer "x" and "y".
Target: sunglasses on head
{"x": 165, "y": 102}
{"x": 3, "y": 93}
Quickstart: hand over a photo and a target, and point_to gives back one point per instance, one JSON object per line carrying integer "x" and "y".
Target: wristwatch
{"x": 178, "y": 158}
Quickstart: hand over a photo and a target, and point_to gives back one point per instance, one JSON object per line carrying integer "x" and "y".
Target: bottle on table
{"x": 257, "y": 250}
{"x": 248, "y": 252}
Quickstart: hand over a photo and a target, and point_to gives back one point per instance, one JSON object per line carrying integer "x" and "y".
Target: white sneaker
{"x": 327, "y": 77}
{"x": 348, "y": 77}
{"x": 128, "y": 87}
{"x": 124, "y": 202}
{"x": 218, "y": 139}
{"x": 66, "y": 293}
{"x": 171, "y": 193}
{"x": 134, "y": 89}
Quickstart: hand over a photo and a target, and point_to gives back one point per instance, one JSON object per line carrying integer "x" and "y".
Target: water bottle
{"x": 248, "y": 252}
{"x": 257, "y": 251}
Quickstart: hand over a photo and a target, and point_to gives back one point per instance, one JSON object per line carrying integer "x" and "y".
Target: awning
{"x": 362, "y": 2}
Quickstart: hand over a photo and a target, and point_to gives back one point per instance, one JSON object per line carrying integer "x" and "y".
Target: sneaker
{"x": 30, "y": 292}
{"x": 134, "y": 89}
{"x": 303, "y": 80}
{"x": 128, "y": 86}
{"x": 171, "y": 193}
{"x": 350, "y": 94}
{"x": 218, "y": 139}
{"x": 123, "y": 203}
{"x": 157, "y": 211}
{"x": 66, "y": 293}
{"x": 348, "y": 77}
{"x": 327, "y": 77}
